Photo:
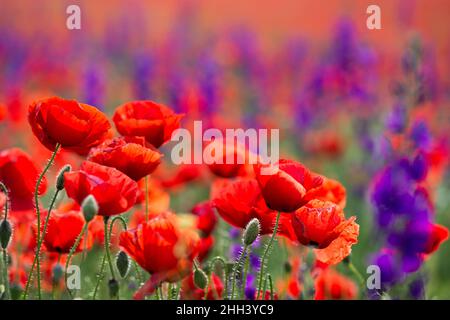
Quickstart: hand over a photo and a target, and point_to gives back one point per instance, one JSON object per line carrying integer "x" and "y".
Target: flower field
{"x": 119, "y": 180}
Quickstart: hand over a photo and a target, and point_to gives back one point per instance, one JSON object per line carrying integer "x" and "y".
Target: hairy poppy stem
{"x": 108, "y": 253}
{"x": 266, "y": 252}
{"x": 235, "y": 269}
{"x": 5, "y": 274}
{"x": 244, "y": 278}
{"x": 71, "y": 252}
{"x": 5, "y": 254}
{"x": 39, "y": 240}
{"x": 100, "y": 277}
{"x": 212, "y": 264}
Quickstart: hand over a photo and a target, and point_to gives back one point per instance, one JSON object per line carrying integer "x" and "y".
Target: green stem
{"x": 108, "y": 253}
{"x": 269, "y": 277}
{"x": 244, "y": 278}
{"x": 5, "y": 272}
{"x": 235, "y": 270}
{"x": 38, "y": 213}
{"x": 266, "y": 252}
{"x": 225, "y": 275}
{"x": 71, "y": 252}
{"x": 100, "y": 276}
{"x": 355, "y": 271}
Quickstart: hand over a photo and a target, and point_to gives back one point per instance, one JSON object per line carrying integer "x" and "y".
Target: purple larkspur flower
{"x": 396, "y": 120}
{"x": 420, "y": 135}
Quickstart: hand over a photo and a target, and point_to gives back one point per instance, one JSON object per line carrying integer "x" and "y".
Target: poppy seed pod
{"x": 60, "y": 176}
{"x": 89, "y": 207}
{"x": 5, "y": 233}
{"x": 251, "y": 232}
{"x": 200, "y": 278}
{"x": 122, "y": 263}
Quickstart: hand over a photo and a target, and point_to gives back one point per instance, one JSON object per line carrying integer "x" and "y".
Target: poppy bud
{"x": 251, "y": 232}
{"x": 113, "y": 287}
{"x": 5, "y": 233}
{"x": 89, "y": 207}
{"x": 200, "y": 278}
{"x": 122, "y": 263}
{"x": 60, "y": 176}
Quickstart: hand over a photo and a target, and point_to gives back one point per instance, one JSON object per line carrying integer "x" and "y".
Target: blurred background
{"x": 310, "y": 68}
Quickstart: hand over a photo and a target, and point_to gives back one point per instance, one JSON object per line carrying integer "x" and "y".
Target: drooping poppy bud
{"x": 122, "y": 263}
{"x": 60, "y": 176}
{"x": 5, "y": 233}
{"x": 200, "y": 278}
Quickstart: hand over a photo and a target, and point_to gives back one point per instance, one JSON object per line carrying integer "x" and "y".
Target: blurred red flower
{"x": 339, "y": 248}
{"x": 439, "y": 234}
{"x": 76, "y": 126}
{"x": 148, "y": 119}
{"x": 240, "y": 201}
{"x": 207, "y": 219}
{"x": 19, "y": 174}
{"x": 330, "y": 190}
{"x": 330, "y": 285}
{"x": 229, "y": 159}
{"x": 184, "y": 173}
{"x": 128, "y": 155}
{"x": 162, "y": 247}
{"x": 318, "y": 223}
{"x": 114, "y": 191}
{"x": 285, "y": 185}
{"x": 63, "y": 230}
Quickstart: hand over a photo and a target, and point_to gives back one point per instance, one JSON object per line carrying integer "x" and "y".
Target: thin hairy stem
{"x": 236, "y": 267}
{"x": 38, "y": 236}
{"x": 100, "y": 276}
{"x": 266, "y": 252}
{"x": 71, "y": 252}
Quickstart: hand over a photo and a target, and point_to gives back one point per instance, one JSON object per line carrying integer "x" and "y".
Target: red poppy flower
{"x": 207, "y": 219}
{"x": 189, "y": 290}
{"x": 128, "y": 155}
{"x": 330, "y": 285}
{"x": 63, "y": 230}
{"x": 76, "y": 126}
{"x": 19, "y": 174}
{"x": 148, "y": 119}
{"x": 161, "y": 247}
{"x": 439, "y": 234}
{"x": 205, "y": 246}
{"x": 229, "y": 159}
{"x": 319, "y": 223}
{"x": 183, "y": 174}
{"x": 339, "y": 248}
{"x": 330, "y": 190}
{"x": 114, "y": 191}
{"x": 285, "y": 185}
{"x": 241, "y": 200}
